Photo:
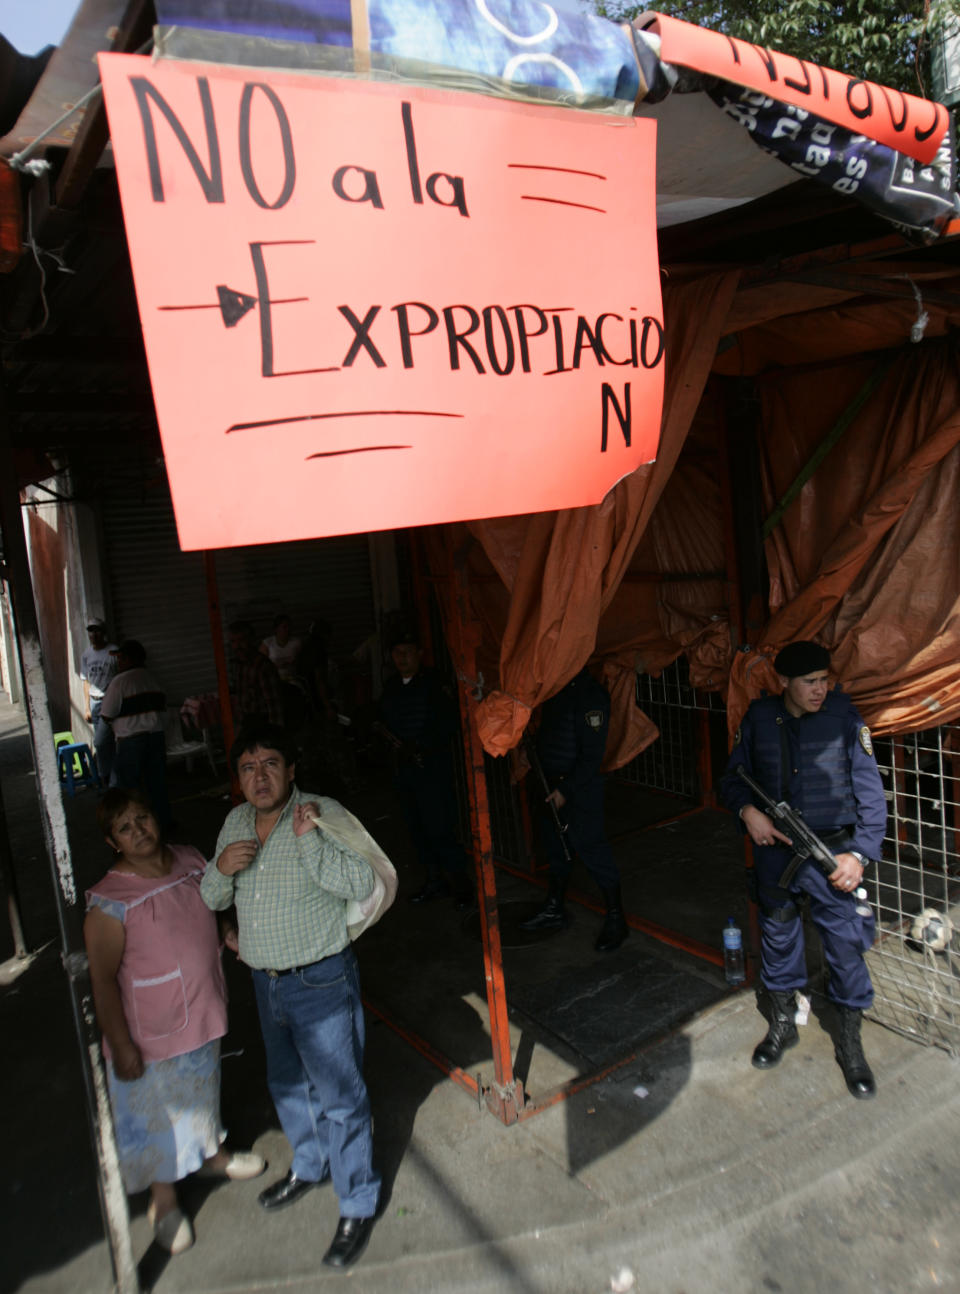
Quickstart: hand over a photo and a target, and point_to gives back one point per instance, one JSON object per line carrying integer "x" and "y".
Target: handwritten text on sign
{"x": 371, "y": 306}
{"x": 901, "y": 121}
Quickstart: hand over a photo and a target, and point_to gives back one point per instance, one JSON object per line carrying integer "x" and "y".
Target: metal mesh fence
{"x": 671, "y": 764}
{"x": 506, "y": 814}
{"x": 915, "y": 889}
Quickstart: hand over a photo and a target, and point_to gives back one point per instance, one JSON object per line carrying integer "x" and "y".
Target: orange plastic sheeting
{"x": 859, "y": 560}
{"x": 810, "y": 338}
{"x": 654, "y": 618}
{"x": 901, "y": 121}
{"x": 563, "y": 570}
{"x": 375, "y": 305}
{"x": 762, "y": 303}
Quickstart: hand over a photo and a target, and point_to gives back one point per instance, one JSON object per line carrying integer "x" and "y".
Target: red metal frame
{"x": 505, "y": 1098}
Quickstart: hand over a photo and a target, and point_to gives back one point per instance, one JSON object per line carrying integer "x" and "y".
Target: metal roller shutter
{"x": 158, "y": 593}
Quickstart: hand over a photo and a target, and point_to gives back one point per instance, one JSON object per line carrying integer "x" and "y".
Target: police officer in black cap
{"x": 420, "y": 721}
{"x": 810, "y": 747}
{"x": 570, "y": 743}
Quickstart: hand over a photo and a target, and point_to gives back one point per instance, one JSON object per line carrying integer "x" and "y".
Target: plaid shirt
{"x": 292, "y": 900}
{"x": 256, "y": 689}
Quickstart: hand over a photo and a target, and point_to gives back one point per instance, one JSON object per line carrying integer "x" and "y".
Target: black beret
{"x": 801, "y": 658}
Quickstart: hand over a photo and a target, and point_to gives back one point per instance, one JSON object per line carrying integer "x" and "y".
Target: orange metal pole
{"x": 505, "y": 1098}
{"x": 708, "y": 797}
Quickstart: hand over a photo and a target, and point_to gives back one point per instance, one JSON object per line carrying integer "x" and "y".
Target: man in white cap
{"x": 98, "y": 665}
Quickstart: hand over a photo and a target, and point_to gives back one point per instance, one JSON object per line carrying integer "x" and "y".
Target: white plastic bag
{"x": 342, "y": 827}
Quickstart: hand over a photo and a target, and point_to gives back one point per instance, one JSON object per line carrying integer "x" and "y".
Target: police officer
{"x": 810, "y": 747}
{"x": 419, "y": 718}
{"x": 570, "y": 742}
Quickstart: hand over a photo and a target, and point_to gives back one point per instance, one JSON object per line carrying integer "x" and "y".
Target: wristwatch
{"x": 858, "y": 856}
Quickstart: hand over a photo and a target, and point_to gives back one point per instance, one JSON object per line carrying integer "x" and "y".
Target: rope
{"x": 20, "y": 161}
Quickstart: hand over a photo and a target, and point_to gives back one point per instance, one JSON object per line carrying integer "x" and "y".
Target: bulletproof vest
{"x": 563, "y": 727}
{"x": 409, "y": 709}
{"x": 806, "y": 760}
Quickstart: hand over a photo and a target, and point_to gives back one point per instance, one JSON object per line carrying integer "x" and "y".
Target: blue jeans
{"x": 312, "y": 1024}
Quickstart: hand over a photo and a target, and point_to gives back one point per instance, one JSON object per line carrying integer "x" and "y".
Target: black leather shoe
{"x": 349, "y": 1242}
{"x": 613, "y": 931}
{"x": 287, "y": 1191}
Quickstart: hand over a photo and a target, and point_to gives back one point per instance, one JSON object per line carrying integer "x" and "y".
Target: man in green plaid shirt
{"x": 291, "y": 884}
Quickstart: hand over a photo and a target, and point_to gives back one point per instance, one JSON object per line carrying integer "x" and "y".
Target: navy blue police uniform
{"x": 571, "y": 741}
{"x": 420, "y": 714}
{"x": 823, "y": 765}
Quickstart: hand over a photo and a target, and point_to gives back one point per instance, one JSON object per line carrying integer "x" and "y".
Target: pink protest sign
{"x": 369, "y": 306}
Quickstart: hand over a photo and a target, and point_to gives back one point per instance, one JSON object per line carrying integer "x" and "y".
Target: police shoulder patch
{"x": 865, "y": 741}
{"x": 594, "y": 718}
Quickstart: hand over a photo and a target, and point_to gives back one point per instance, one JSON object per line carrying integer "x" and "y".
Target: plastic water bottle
{"x": 733, "y": 953}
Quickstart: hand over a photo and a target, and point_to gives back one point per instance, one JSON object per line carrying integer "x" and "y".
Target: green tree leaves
{"x": 880, "y": 40}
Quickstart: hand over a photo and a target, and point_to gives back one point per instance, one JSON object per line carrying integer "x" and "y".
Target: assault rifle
{"x": 558, "y": 822}
{"x": 403, "y": 748}
{"x": 805, "y": 841}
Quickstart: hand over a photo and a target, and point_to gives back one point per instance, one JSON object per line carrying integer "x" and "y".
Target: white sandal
{"x": 242, "y": 1166}
{"x": 173, "y": 1232}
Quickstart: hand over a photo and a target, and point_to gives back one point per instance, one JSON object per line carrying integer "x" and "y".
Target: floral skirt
{"x": 168, "y": 1120}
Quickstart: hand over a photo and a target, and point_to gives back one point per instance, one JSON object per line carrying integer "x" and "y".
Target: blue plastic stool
{"x": 77, "y": 766}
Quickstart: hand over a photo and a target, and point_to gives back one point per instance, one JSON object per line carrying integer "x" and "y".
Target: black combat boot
{"x": 849, "y": 1053}
{"x": 614, "y": 929}
{"x": 552, "y": 916}
{"x": 781, "y": 1034}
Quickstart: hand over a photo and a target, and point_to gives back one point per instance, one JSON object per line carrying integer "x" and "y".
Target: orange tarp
{"x": 864, "y": 558}
{"x": 564, "y": 569}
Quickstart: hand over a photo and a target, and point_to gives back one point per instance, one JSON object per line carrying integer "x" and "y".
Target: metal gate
{"x": 915, "y": 888}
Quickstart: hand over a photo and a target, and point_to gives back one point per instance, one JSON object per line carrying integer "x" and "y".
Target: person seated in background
{"x": 98, "y": 666}
{"x": 161, "y": 1004}
{"x": 255, "y": 684}
{"x": 282, "y": 648}
{"x": 136, "y": 710}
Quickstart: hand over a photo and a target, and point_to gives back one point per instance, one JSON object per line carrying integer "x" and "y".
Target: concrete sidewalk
{"x": 718, "y": 1178}
{"x": 685, "y": 1167}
